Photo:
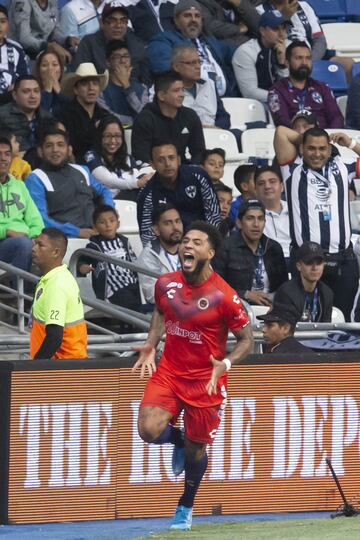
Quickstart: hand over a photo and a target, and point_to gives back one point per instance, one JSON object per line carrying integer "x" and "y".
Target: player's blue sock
{"x": 194, "y": 472}
{"x": 171, "y": 435}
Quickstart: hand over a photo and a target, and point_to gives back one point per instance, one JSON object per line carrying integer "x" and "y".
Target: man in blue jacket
{"x": 215, "y": 55}
{"x": 66, "y": 194}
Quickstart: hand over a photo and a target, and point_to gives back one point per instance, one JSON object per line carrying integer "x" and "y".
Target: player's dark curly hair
{"x": 215, "y": 238}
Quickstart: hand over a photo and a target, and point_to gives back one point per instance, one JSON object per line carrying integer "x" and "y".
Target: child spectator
{"x": 19, "y": 168}
{"x": 118, "y": 285}
{"x": 244, "y": 182}
{"x": 224, "y": 195}
{"x": 48, "y": 71}
{"x": 111, "y": 164}
{"x": 213, "y": 161}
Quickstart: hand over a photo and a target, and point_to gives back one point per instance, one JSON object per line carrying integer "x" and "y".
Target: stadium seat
{"x": 128, "y": 223}
{"x": 355, "y": 216}
{"x": 258, "y": 143}
{"x": 355, "y": 70}
{"x": 329, "y": 9}
{"x": 220, "y": 138}
{"x": 244, "y": 110}
{"x": 128, "y": 139}
{"x": 342, "y": 102}
{"x": 337, "y": 315}
{"x": 259, "y": 310}
{"x": 343, "y": 37}
{"x": 73, "y": 245}
{"x": 228, "y": 178}
{"x": 332, "y": 74}
{"x": 352, "y": 8}
{"x": 346, "y": 152}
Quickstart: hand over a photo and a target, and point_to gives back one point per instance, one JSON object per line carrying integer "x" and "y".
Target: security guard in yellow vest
{"x": 58, "y": 328}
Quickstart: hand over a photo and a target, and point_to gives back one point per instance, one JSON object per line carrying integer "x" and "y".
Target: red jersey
{"x": 197, "y": 319}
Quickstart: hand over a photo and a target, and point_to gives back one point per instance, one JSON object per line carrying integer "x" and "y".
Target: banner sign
{"x": 74, "y": 452}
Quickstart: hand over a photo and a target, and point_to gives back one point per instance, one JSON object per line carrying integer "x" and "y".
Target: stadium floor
{"x": 128, "y": 529}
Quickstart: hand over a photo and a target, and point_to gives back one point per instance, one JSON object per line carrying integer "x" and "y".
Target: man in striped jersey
{"x": 317, "y": 190}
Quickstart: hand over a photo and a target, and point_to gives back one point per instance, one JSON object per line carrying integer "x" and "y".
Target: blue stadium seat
{"x": 355, "y": 70}
{"x": 352, "y": 8}
{"x": 332, "y": 74}
{"x": 329, "y": 9}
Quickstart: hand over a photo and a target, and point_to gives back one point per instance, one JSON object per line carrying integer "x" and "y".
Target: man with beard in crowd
{"x": 299, "y": 92}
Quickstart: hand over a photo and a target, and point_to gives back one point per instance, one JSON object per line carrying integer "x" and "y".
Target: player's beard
{"x": 192, "y": 275}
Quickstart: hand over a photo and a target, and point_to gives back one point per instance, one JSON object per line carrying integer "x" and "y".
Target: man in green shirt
{"x": 20, "y": 220}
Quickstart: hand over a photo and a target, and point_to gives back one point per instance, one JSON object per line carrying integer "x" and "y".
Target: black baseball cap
{"x": 281, "y": 313}
{"x": 248, "y": 204}
{"x": 309, "y": 252}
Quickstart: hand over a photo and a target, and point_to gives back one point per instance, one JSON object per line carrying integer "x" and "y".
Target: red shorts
{"x": 175, "y": 395}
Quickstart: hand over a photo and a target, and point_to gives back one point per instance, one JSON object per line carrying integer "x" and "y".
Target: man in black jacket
{"x": 279, "y": 328}
{"x": 166, "y": 116}
{"x": 253, "y": 264}
{"x": 312, "y": 298}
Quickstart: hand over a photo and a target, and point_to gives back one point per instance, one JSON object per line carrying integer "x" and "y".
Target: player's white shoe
{"x": 182, "y": 519}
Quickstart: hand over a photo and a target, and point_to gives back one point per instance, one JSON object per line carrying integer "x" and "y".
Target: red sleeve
{"x": 234, "y": 312}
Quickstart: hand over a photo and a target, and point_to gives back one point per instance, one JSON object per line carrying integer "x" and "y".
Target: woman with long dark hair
{"x": 110, "y": 162}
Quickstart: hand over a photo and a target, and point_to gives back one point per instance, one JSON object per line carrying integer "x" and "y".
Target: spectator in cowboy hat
{"x": 82, "y": 114}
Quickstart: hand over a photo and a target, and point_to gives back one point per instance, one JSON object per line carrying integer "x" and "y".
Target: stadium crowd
{"x": 75, "y": 81}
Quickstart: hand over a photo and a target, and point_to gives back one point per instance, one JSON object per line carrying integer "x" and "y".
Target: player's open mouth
{"x": 188, "y": 260}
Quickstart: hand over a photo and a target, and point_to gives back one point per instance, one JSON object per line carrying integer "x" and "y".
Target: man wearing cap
{"x": 278, "y": 330}
{"x": 215, "y": 55}
{"x": 317, "y": 192}
{"x": 299, "y": 92}
{"x": 113, "y": 25}
{"x": 81, "y": 115}
{"x": 253, "y": 264}
{"x": 312, "y": 298}
{"x": 260, "y": 62}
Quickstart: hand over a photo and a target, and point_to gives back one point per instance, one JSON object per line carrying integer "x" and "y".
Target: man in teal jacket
{"x": 20, "y": 220}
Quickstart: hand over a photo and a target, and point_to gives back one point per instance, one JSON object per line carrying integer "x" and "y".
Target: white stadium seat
{"x": 337, "y": 315}
{"x": 243, "y": 110}
{"x": 228, "y": 178}
{"x": 128, "y": 133}
{"x": 343, "y": 37}
{"x": 258, "y": 143}
{"x": 221, "y": 138}
{"x": 128, "y": 223}
{"x": 342, "y": 102}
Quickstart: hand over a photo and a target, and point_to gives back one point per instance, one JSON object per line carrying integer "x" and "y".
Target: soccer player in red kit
{"x": 195, "y": 307}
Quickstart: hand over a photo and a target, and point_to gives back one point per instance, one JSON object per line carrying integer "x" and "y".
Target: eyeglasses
{"x": 192, "y": 63}
{"x": 109, "y": 137}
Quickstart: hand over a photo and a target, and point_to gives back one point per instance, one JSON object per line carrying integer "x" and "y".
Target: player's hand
{"x": 218, "y": 369}
{"x": 340, "y": 138}
{"x": 259, "y": 298}
{"x": 146, "y": 360}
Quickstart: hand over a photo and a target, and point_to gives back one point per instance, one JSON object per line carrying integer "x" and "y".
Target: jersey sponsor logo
{"x": 274, "y": 103}
{"x": 174, "y": 329}
{"x": 236, "y": 299}
{"x": 203, "y": 303}
{"x": 317, "y": 97}
{"x": 191, "y": 191}
{"x": 174, "y": 284}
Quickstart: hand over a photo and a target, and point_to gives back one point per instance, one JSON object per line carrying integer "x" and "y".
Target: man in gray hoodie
{"x": 161, "y": 255}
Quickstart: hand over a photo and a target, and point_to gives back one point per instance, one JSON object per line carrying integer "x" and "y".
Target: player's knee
{"x": 194, "y": 451}
{"x": 147, "y": 431}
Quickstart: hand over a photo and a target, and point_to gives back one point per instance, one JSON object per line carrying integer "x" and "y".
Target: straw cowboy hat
{"x": 84, "y": 71}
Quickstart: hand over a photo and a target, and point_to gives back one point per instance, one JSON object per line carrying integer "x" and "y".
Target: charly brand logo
{"x": 78, "y": 435}
{"x": 305, "y": 431}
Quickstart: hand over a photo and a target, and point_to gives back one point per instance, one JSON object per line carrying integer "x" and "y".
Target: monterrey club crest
{"x": 190, "y": 191}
